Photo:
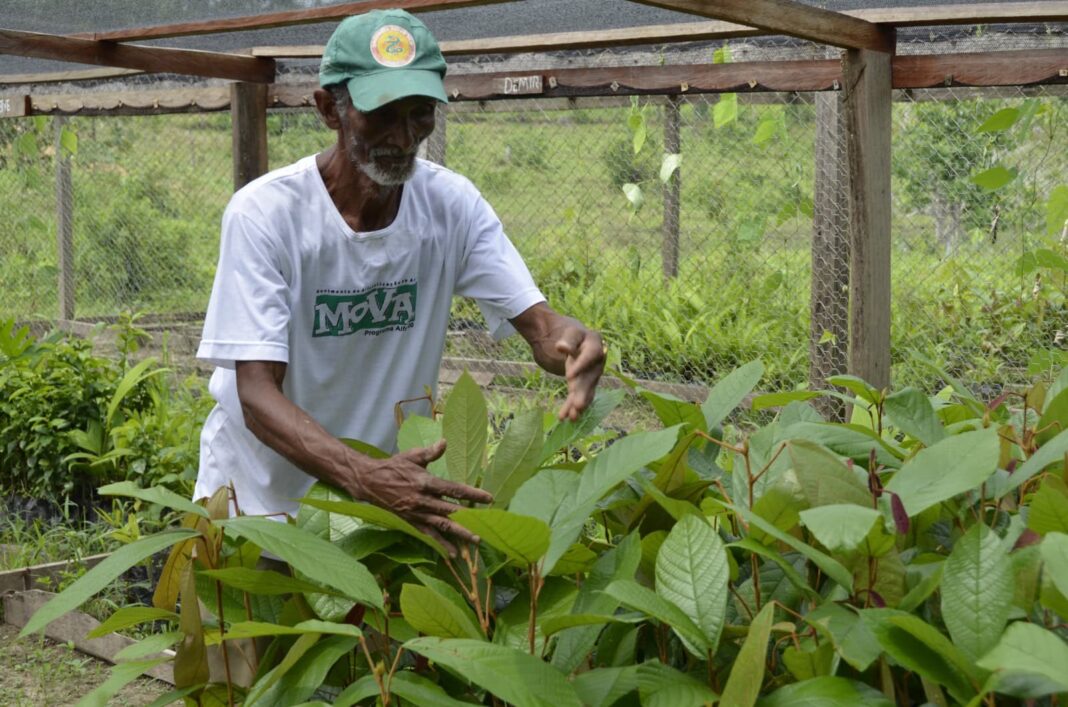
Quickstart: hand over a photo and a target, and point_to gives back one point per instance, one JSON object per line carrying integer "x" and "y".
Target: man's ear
{"x": 327, "y": 106}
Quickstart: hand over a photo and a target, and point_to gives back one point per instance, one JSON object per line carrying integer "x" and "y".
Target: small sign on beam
{"x": 519, "y": 85}
{"x": 14, "y": 106}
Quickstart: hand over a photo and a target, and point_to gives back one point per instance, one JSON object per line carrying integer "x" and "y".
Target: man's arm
{"x": 563, "y": 346}
{"x": 400, "y": 484}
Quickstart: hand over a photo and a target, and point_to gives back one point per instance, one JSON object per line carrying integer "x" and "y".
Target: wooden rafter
{"x": 279, "y": 19}
{"x": 790, "y": 18}
{"x": 153, "y": 59}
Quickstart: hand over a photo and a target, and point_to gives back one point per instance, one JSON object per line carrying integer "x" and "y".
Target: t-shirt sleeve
{"x": 249, "y": 311}
{"x": 493, "y": 273}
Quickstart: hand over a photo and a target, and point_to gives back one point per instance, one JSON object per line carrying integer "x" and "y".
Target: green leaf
{"x": 636, "y": 123}
{"x": 267, "y": 582}
{"x": 565, "y": 432}
{"x": 725, "y": 110}
{"x": 747, "y": 675}
{"x": 1052, "y": 452}
{"x": 670, "y": 163}
{"x": 605, "y": 686}
{"x": 692, "y": 573}
{"x": 827, "y": 691}
{"x": 1029, "y": 661}
{"x": 765, "y": 131}
{"x": 851, "y": 635}
{"x": 174, "y": 695}
{"x": 955, "y": 465}
{"x": 129, "y": 381}
{"x": 977, "y": 588}
{"x": 465, "y": 427}
{"x": 68, "y": 140}
{"x": 300, "y": 681}
{"x": 516, "y": 458}
{"x": 121, "y": 676}
{"x": 1057, "y": 210}
{"x": 635, "y": 596}
{"x": 256, "y": 629}
{"x": 840, "y": 527}
{"x": 672, "y": 410}
{"x": 913, "y": 414}
{"x": 824, "y": 479}
{"x": 1000, "y": 121}
{"x": 131, "y": 616}
{"x": 157, "y": 494}
{"x": 101, "y": 576}
{"x": 556, "y": 624}
{"x": 1040, "y": 258}
{"x": 634, "y": 195}
{"x": 729, "y": 393}
{"x": 544, "y": 494}
{"x": 420, "y": 691}
{"x": 430, "y": 613}
{"x": 418, "y": 432}
{"x": 153, "y": 645}
{"x": 1054, "y": 418}
{"x": 1054, "y": 551}
{"x": 316, "y": 558}
{"x": 774, "y": 400}
{"x": 297, "y": 651}
{"x": 524, "y": 539}
{"x": 858, "y": 386}
{"x": 376, "y": 516}
{"x": 994, "y": 178}
{"x": 663, "y": 686}
{"x": 515, "y": 677}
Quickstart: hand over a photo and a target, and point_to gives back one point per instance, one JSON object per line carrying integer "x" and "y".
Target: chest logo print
{"x": 375, "y": 310}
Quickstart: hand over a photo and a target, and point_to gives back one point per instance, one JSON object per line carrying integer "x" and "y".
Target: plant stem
{"x": 536, "y": 584}
{"x": 378, "y": 678}
{"x": 222, "y": 644}
{"x": 755, "y": 564}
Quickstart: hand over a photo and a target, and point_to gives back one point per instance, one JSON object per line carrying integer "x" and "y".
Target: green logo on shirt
{"x": 375, "y": 310}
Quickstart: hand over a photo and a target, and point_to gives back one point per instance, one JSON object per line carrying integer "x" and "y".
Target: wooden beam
{"x": 63, "y": 76}
{"x": 1016, "y": 68}
{"x": 155, "y": 59}
{"x": 64, "y": 223}
{"x": 280, "y": 19}
{"x": 790, "y": 18}
{"x": 979, "y": 13}
{"x": 248, "y": 125}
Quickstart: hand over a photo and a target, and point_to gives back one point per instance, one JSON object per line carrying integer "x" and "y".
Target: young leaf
{"x": 131, "y": 616}
{"x": 774, "y": 400}
{"x": 747, "y": 675}
{"x": 635, "y": 596}
{"x": 913, "y": 414}
{"x": 692, "y": 573}
{"x": 377, "y": 516}
{"x": 1000, "y": 121}
{"x": 726, "y": 109}
{"x": 824, "y": 479}
{"x": 565, "y": 432}
{"x": 1052, "y": 452}
{"x": 851, "y": 635}
{"x": 955, "y": 465}
{"x": 514, "y": 676}
{"x": 1054, "y": 418}
{"x": 266, "y": 582}
{"x": 670, "y": 163}
{"x": 1029, "y": 661}
{"x": 1054, "y": 550}
{"x": 729, "y": 393}
{"x": 994, "y": 178}
{"x": 858, "y": 386}
{"x": 826, "y": 691}
{"x": 1057, "y": 210}
{"x": 663, "y": 686}
{"x": 634, "y": 195}
{"x": 101, "y": 576}
{"x": 157, "y": 494}
{"x": 524, "y": 539}
{"x": 256, "y": 629}
{"x": 465, "y": 430}
{"x": 840, "y": 527}
{"x": 68, "y": 140}
{"x": 314, "y": 557}
{"x": 516, "y": 458}
{"x": 672, "y": 410}
{"x": 430, "y": 613}
{"x": 977, "y": 588}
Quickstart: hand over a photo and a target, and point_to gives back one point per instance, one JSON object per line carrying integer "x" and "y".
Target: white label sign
{"x": 519, "y": 85}
{"x": 13, "y": 106}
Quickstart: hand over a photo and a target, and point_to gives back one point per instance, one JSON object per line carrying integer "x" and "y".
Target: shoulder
{"x": 277, "y": 189}
{"x": 442, "y": 181}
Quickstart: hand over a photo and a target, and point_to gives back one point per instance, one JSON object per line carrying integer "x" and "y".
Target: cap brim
{"x": 376, "y": 90}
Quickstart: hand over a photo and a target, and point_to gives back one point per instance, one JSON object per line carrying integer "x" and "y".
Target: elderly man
{"x": 332, "y": 296}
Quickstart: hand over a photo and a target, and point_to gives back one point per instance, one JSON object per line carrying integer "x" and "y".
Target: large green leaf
{"x": 663, "y": 686}
{"x": 977, "y": 588}
{"x": 377, "y": 516}
{"x": 430, "y": 613}
{"x": 516, "y": 458}
{"x": 314, "y": 557}
{"x": 266, "y": 582}
{"x": 730, "y": 392}
{"x": 601, "y": 474}
{"x": 301, "y": 681}
{"x": 854, "y": 441}
{"x": 1054, "y": 418}
{"x": 827, "y": 691}
{"x": 672, "y": 410}
{"x": 851, "y": 635}
{"x": 157, "y": 494}
{"x": 328, "y": 525}
{"x": 840, "y": 527}
{"x": 621, "y": 562}
{"x": 954, "y": 466}
{"x": 635, "y": 596}
{"x": 256, "y": 629}
{"x": 129, "y": 381}
{"x": 1051, "y": 452}
{"x": 524, "y": 539}
{"x": 121, "y": 676}
{"x": 514, "y": 676}
{"x": 747, "y": 675}
{"x": 1054, "y": 551}
{"x": 1049, "y": 507}
{"x": 543, "y": 495}
{"x": 420, "y": 691}
{"x": 604, "y": 686}
{"x": 131, "y": 616}
{"x": 824, "y": 479}
{"x": 565, "y": 432}
{"x": 1029, "y": 661}
{"x": 912, "y": 413}
{"x": 465, "y": 429}
{"x": 692, "y": 573}
{"x": 101, "y": 576}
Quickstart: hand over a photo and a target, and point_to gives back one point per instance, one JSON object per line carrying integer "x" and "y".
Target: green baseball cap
{"x": 381, "y": 56}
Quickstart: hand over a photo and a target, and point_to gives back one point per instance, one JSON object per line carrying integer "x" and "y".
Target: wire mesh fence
{"x": 736, "y": 249}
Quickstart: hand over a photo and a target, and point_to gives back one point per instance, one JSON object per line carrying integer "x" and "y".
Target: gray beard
{"x": 385, "y": 177}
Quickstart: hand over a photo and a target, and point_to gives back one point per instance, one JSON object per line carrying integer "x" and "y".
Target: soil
{"x": 37, "y": 672}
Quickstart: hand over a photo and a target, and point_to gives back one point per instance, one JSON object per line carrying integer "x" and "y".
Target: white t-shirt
{"x": 359, "y": 317}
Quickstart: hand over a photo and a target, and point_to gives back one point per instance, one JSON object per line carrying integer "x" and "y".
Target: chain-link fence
{"x": 691, "y": 265}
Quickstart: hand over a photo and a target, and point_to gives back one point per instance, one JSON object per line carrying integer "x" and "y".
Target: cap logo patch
{"x": 393, "y": 46}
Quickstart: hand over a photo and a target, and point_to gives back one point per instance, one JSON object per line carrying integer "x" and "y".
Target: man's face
{"x": 382, "y": 143}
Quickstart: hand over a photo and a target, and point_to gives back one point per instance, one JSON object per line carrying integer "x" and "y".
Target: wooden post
{"x": 438, "y": 139}
{"x": 64, "y": 223}
{"x": 867, "y": 102}
{"x": 829, "y": 329}
{"x": 669, "y": 247}
{"x": 248, "y": 114}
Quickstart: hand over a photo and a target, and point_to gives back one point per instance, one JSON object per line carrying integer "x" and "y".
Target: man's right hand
{"x": 402, "y": 484}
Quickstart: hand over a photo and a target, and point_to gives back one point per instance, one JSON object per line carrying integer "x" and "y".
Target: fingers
{"x": 570, "y": 341}
{"x": 442, "y": 540}
{"x": 424, "y": 456}
{"x": 583, "y": 369}
{"x": 445, "y": 526}
{"x": 442, "y": 487}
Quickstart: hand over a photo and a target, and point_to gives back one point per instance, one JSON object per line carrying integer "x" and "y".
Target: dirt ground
{"x": 36, "y": 673}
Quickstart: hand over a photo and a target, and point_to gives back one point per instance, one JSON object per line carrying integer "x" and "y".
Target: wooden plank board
{"x": 63, "y": 76}
{"x": 72, "y": 628}
{"x": 154, "y": 59}
{"x": 280, "y": 19}
{"x": 1017, "y": 68}
{"x": 27, "y": 577}
{"x": 248, "y": 128}
{"x": 971, "y": 13}
{"x": 790, "y": 18}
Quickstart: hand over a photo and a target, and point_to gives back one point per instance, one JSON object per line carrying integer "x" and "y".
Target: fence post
{"x": 868, "y": 104}
{"x": 248, "y": 118}
{"x": 438, "y": 139}
{"x": 64, "y": 223}
{"x": 669, "y": 246}
{"x": 829, "y": 329}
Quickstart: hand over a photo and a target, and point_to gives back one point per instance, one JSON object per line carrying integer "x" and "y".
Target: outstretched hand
{"x": 402, "y": 484}
{"x": 584, "y": 353}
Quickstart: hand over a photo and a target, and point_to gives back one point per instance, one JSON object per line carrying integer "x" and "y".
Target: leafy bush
{"x": 918, "y": 554}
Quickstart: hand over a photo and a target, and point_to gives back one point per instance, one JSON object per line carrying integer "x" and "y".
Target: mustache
{"x": 390, "y": 152}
